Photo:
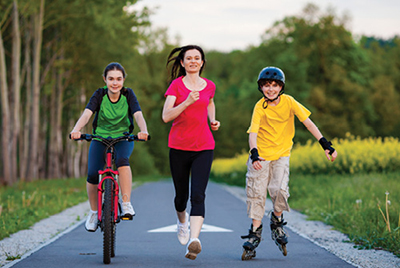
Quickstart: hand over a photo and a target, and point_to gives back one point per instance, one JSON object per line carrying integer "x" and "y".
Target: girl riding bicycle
{"x": 114, "y": 107}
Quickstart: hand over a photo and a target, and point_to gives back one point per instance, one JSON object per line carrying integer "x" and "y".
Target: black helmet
{"x": 273, "y": 73}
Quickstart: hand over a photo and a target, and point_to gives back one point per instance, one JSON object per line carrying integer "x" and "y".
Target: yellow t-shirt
{"x": 275, "y": 126}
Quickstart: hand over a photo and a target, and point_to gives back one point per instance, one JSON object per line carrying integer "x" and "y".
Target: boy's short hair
{"x": 262, "y": 82}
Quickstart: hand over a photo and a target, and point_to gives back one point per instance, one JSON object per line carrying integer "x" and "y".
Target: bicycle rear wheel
{"x": 108, "y": 221}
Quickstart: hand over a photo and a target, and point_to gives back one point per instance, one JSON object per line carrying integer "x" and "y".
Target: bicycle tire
{"x": 114, "y": 235}
{"x": 113, "y": 241}
{"x": 108, "y": 221}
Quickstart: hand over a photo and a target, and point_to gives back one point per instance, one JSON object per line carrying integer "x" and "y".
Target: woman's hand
{"x": 215, "y": 125}
{"x": 192, "y": 97}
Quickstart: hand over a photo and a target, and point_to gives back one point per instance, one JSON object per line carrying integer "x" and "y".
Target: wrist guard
{"x": 254, "y": 155}
{"x": 326, "y": 145}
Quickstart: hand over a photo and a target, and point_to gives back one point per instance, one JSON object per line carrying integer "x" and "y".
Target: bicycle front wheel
{"x": 108, "y": 221}
{"x": 113, "y": 239}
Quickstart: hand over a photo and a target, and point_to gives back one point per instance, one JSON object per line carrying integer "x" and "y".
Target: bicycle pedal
{"x": 126, "y": 217}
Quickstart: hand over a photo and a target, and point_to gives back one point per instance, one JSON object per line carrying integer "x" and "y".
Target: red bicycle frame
{"x": 108, "y": 170}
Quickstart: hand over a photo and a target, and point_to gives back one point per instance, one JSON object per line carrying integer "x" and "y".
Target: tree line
{"x": 52, "y": 54}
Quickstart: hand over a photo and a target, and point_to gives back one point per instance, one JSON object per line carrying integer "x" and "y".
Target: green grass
{"x": 350, "y": 204}
{"x": 25, "y": 203}
{"x": 353, "y": 205}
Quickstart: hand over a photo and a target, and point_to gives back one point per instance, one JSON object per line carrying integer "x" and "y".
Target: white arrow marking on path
{"x": 206, "y": 228}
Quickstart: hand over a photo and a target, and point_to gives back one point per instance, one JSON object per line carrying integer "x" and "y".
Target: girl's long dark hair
{"x": 177, "y": 69}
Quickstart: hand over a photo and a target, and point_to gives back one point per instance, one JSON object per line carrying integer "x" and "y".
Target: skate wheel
{"x": 284, "y": 251}
{"x": 244, "y": 255}
{"x": 248, "y": 255}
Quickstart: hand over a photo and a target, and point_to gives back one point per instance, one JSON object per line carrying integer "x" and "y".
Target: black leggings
{"x": 182, "y": 163}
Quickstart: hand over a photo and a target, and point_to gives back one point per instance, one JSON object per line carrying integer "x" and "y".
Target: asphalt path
{"x": 150, "y": 241}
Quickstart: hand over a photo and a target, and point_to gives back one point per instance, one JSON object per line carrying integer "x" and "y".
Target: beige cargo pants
{"x": 274, "y": 178}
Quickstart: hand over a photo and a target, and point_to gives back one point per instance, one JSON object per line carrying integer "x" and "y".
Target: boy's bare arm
{"x": 312, "y": 128}
{"x": 252, "y": 140}
{"x": 254, "y": 151}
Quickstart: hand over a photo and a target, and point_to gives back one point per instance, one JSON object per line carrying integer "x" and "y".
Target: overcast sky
{"x": 225, "y": 25}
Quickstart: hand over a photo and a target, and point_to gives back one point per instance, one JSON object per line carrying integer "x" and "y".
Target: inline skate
{"x": 254, "y": 239}
{"x": 278, "y": 234}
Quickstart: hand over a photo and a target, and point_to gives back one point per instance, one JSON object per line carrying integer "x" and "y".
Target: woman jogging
{"x": 190, "y": 103}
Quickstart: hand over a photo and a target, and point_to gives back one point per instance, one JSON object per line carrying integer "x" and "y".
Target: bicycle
{"x": 109, "y": 209}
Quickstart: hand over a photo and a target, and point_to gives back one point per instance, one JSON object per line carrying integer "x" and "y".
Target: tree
{"x": 32, "y": 170}
{"x": 6, "y": 116}
{"x": 63, "y": 39}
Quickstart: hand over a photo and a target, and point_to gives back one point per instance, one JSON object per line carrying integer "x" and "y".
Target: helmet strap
{"x": 266, "y": 100}
{"x": 265, "y": 104}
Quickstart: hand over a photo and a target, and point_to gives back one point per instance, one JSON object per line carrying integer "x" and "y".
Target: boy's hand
{"x": 331, "y": 157}
{"x": 256, "y": 159}
{"x": 257, "y": 164}
{"x": 330, "y": 152}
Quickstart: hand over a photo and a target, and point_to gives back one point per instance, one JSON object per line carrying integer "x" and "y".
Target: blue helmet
{"x": 272, "y": 73}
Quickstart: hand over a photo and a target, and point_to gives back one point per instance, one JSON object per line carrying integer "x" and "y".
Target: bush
{"x": 355, "y": 155}
{"x": 230, "y": 170}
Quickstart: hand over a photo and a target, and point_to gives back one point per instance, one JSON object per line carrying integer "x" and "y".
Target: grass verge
{"x": 25, "y": 203}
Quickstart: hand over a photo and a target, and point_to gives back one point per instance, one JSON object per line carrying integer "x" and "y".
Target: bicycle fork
{"x": 109, "y": 172}
{"x": 100, "y": 190}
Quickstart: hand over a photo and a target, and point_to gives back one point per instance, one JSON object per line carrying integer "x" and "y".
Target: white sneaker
{"x": 91, "y": 221}
{"x": 127, "y": 209}
{"x": 193, "y": 248}
{"x": 183, "y": 230}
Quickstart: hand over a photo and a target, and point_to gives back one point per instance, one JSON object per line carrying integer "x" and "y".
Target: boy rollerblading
{"x": 254, "y": 239}
{"x": 271, "y": 134}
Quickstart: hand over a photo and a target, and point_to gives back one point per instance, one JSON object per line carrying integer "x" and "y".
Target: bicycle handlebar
{"x": 90, "y": 137}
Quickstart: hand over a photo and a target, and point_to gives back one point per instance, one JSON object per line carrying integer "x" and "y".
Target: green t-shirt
{"x": 113, "y": 119}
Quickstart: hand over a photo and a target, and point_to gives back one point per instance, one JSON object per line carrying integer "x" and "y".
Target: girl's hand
{"x": 143, "y": 135}
{"x": 75, "y": 135}
{"x": 215, "y": 125}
